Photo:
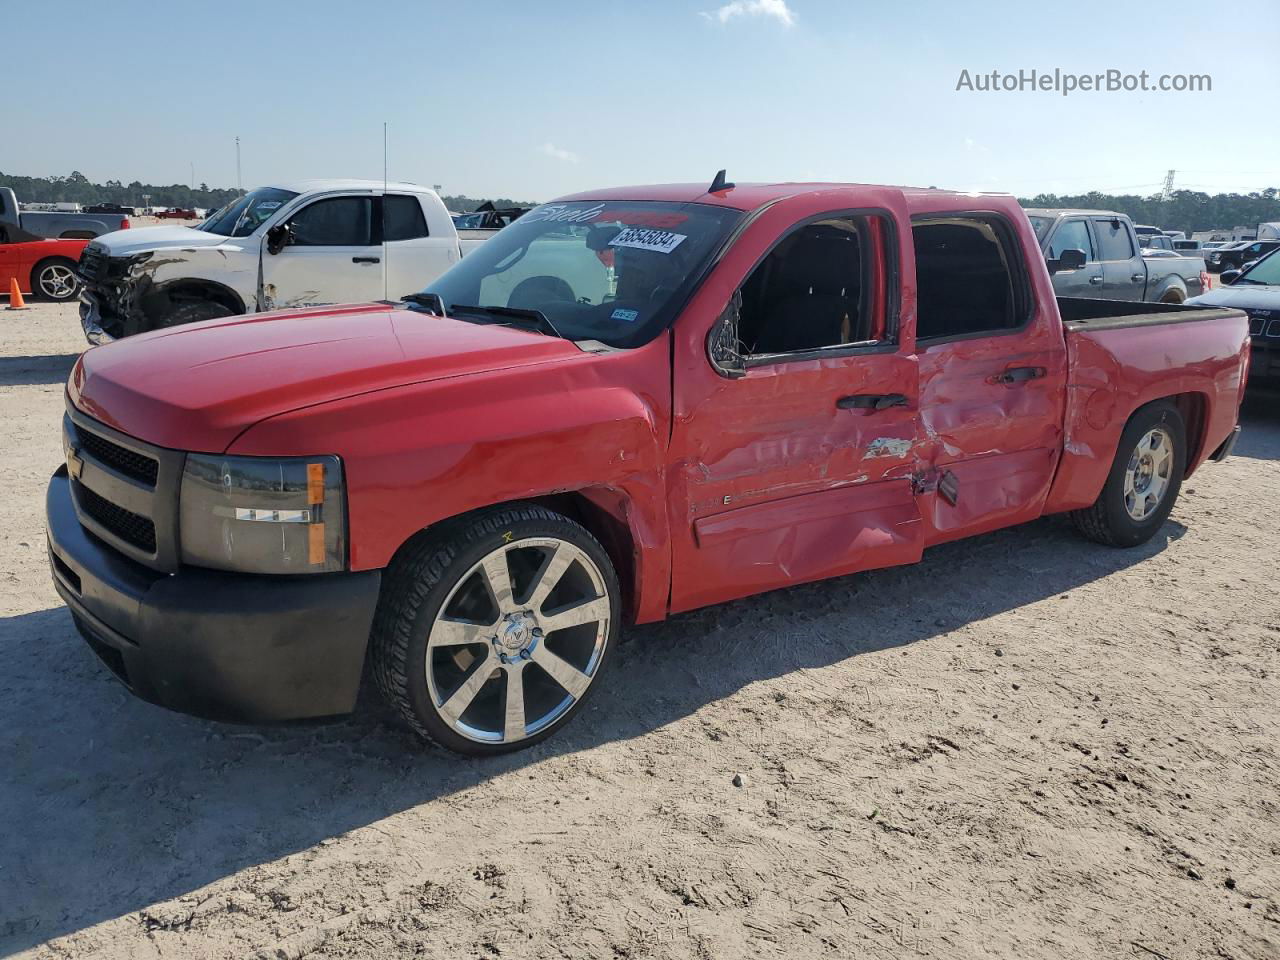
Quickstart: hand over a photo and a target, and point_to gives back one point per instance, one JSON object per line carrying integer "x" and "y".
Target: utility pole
{"x": 1167, "y": 193}
{"x": 239, "y": 180}
{"x": 193, "y": 174}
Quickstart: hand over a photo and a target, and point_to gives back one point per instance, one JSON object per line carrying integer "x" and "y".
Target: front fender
{"x": 422, "y": 453}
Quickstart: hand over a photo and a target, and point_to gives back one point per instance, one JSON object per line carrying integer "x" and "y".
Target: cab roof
{"x": 321, "y": 186}
{"x": 751, "y": 196}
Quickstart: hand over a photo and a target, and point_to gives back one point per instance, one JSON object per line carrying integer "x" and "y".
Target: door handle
{"x": 871, "y": 401}
{"x": 1019, "y": 374}
{"x": 1138, "y": 277}
{"x": 1095, "y": 280}
{"x": 366, "y": 259}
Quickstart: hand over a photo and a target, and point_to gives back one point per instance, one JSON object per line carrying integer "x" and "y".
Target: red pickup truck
{"x": 626, "y": 404}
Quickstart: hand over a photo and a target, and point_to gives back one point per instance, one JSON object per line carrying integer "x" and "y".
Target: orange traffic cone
{"x": 15, "y": 296}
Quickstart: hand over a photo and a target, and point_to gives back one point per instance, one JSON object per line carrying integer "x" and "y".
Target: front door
{"x": 992, "y": 378}
{"x": 1073, "y": 234}
{"x": 801, "y": 468}
{"x": 1124, "y": 275}
{"x": 332, "y": 256}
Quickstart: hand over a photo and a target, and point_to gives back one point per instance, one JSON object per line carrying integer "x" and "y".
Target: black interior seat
{"x": 807, "y": 293}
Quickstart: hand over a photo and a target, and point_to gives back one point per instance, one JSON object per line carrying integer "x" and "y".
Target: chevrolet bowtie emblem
{"x": 75, "y": 465}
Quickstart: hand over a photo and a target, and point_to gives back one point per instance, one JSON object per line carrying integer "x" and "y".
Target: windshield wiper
{"x": 431, "y": 301}
{"x": 535, "y": 318}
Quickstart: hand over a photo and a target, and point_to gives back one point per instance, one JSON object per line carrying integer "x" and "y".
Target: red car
{"x": 177, "y": 213}
{"x": 44, "y": 268}
{"x": 624, "y": 405}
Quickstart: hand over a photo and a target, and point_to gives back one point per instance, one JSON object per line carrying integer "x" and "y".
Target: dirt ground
{"x": 1027, "y": 746}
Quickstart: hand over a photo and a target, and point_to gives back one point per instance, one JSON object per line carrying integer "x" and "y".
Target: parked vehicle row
{"x": 627, "y": 404}
{"x": 302, "y": 244}
{"x": 1233, "y": 256}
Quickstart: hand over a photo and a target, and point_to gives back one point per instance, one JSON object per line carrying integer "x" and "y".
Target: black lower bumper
{"x": 226, "y": 646}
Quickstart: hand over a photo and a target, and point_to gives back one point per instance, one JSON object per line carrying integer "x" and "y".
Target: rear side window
{"x": 1113, "y": 240}
{"x": 816, "y": 289}
{"x": 969, "y": 278}
{"x": 402, "y": 218}
{"x": 336, "y": 222}
{"x": 1072, "y": 235}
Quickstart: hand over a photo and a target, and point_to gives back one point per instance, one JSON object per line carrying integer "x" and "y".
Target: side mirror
{"x": 1067, "y": 260}
{"x": 278, "y": 237}
{"x": 723, "y": 344}
{"x": 1229, "y": 277}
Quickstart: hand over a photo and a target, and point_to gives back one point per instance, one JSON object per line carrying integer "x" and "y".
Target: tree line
{"x": 77, "y": 188}
{"x": 1186, "y": 210}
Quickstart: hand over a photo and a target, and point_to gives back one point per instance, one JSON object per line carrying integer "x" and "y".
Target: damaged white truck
{"x": 304, "y": 244}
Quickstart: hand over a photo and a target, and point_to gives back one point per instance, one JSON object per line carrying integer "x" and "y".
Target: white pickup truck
{"x": 303, "y": 244}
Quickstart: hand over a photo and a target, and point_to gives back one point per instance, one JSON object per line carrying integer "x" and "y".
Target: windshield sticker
{"x": 269, "y": 204}
{"x": 626, "y": 316}
{"x": 640, "y": 238}
{"x": 562, "y": 213}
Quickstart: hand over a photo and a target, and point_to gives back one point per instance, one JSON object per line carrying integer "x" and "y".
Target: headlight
{"x": 263, "y": 515}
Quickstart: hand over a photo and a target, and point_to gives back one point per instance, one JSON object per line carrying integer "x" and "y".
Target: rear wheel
{"x": 55, "y": 279}
{"x": 491, "y": 633}
{"x": 1144, "y": 480}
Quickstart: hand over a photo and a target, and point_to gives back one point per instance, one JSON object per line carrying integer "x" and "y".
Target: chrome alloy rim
{"x": 518, "y": 640}
{"x": 1146, "y": 479}
{"x": 57, "y": 281}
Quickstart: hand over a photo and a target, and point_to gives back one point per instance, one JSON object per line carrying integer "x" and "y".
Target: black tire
{"x": 1108, "y": 520}
{"x": 59, "y": 263}
{"x": 191, "y": 311}
{"x": 416, "y": 586}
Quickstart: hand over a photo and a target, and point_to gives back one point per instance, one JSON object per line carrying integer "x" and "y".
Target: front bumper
{"x": 91, "y": 319}
{"x": 226, "y": 646}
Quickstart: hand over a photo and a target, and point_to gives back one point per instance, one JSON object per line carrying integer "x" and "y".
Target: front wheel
{"x": 1144, "y": 480}
{"x": 491, "y": 633}
{"x": 190, "y": 311}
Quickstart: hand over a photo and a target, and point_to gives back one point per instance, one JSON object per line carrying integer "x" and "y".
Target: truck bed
{"x": 1122, "y": 354}
{"x": 1082, "y": 313}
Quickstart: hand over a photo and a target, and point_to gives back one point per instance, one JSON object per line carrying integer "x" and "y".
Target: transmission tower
{"x": 1167, "y": 192}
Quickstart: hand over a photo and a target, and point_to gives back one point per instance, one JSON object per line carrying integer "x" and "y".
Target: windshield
{"x": 241, "y": 217}
{"x": 609, "y": 271}
{"x": 1265, "y": 271}
{"x": 468, "y": 221}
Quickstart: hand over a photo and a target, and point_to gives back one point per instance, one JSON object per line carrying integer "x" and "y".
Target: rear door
{"x": 992, "y": 377}
{"x": 413, "y": 256}
{"x": 333, "y": 256}
{"x": 800, "y": 468}
{"x": 1072, "y": 233}
{"x": 1124, "y": 275}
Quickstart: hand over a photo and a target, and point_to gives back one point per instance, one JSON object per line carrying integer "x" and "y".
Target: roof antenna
{"x": 720, "y": 183}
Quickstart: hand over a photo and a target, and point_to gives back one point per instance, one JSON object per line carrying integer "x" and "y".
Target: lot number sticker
{"x": 644, "y": 238}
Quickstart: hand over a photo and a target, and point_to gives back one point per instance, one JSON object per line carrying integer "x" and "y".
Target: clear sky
{"x": 534, "y": 98}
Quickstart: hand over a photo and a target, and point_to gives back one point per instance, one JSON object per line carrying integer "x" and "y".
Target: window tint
{"x": 811, "y": 291}
{"x": 1113, "y": 240}
{"x": 1072, "y": 235}
{"x": 965, "y": 278}
{"x": 337, "y": 222}
{"x": 402, "y": 218}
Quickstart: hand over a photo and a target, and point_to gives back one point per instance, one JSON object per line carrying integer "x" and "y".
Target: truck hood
{"x": 124, "y": 243}
{"x": 198, "y": 387}
{"x": 1249, "y": 296}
